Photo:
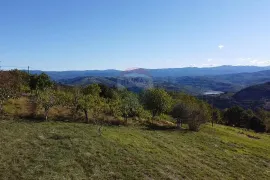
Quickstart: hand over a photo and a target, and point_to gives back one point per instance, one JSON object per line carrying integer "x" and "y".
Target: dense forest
{"x": 37, "y": 97}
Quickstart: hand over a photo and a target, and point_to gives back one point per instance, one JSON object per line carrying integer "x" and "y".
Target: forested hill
{"x": 252, "y": 93}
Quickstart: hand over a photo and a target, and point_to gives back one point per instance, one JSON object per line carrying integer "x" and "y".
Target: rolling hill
{"x": 253, "y": 93}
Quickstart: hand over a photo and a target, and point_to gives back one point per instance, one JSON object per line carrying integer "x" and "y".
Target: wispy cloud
{"x": 221, "y": 46}
{"x": 253, "y": 62}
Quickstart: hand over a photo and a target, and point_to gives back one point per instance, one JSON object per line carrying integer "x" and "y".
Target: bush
{"x": 198, "y": 116}
{"x": 194, "y": 113}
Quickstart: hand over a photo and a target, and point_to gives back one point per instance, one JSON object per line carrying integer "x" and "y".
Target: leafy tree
{"x": 265, "y": 118}
{"x": 44, "y": 82}
{"x": 130, "y": 105}
{"x": 257, "y": 124}
{"x": 92, "y": 89}
{"x": 180, "y": 112}
{"x": 40, "y": 82}
{"x": 48, "y": 99}
{"x": 216, "y": 117}
{"x": 9, "y": 87}
{"x": 157, "y": 101}
{"x": 107, "y": 92}
{"x": 114, "y": 107}
{"x": 199, "y": 115}
{"x": 86, "y": 103}
{"x": 70, "y": 99}
{"x": 234, "y": 116}
{"x": 90, "y": 100}
{"x": 33, "y": 82}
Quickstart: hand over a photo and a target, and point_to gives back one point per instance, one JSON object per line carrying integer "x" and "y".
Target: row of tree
{"x": 97, "y": 99}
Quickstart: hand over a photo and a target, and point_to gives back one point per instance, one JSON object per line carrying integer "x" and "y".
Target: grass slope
{"x": 56, "y": 150}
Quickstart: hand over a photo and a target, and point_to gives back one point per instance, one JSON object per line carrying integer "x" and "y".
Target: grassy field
{"x": 57, "y": 150}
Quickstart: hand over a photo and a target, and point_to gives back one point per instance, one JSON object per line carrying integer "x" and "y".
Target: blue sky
{"x": 122, "y": 34}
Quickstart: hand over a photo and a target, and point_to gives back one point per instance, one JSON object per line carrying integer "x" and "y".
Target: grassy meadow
{"x": 58, "y": 150}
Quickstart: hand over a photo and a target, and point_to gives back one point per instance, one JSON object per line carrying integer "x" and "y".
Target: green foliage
{"x": 234, "y": 116}
{"x": 157, "y": 101}
{"x": 180, "y": 112}
{"x": 199, "y": 114}
{"x": 130, "y": 105}
{"x": 188, "y": 109}
{"x": 89, "y": 100}
{"x": 40, "y": 82}
{"x": 265, "y": 118}
{"x": 92, "y": 89}
{"x": 107, "y": 92}
{"x": 48, "y": 99}
{"x": 217, "y": 117}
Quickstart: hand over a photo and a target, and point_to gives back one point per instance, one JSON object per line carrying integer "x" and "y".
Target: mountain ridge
{"x": 165, "y": 72}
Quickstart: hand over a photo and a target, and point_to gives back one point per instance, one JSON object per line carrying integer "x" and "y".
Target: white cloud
{"x": 221, "y": 46}
{"x": 209, "y": 60}
{"x": 253, "y": 62}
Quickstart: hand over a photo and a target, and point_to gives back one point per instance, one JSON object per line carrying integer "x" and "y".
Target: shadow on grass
{"x": 157, "y": 127}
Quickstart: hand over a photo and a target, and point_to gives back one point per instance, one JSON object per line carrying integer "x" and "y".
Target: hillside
{"x": 253, "y": 93}
{"x": 74, "y": 151}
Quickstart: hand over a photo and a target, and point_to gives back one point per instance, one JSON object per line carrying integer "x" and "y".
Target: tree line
{"x": 96, "y": 101}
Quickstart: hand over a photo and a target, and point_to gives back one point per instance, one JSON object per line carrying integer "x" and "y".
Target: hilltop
{"x": 54, "y": 150}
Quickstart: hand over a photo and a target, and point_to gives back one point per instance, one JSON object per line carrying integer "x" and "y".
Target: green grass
{"x": 52, "y": 150}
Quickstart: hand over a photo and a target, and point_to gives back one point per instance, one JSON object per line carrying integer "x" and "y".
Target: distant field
{"x": 52, "y": 150}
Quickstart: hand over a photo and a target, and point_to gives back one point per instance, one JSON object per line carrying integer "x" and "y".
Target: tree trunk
{"x": 126, "y": 119}
{"x": 1, "y": 108}
{"x": 46, "y": 114}
{"x": 178, "y": 123}
{"x": 86, "y": 116}
{"x": 153, "y": 115}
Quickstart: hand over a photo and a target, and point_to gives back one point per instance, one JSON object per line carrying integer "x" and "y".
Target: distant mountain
{"x": 58, "y": 75}
{"x": 190, "y": 84}
{"x": 244, "y": 79}
{"x": 172, "y": 72}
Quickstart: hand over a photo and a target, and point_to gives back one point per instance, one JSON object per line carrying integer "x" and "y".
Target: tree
{"x": 90, "y": 100}
{"x": 9, "y": 87}
{"x": 192, "y": 111}
{"x": 180, "y": 112}
{"x": 257, "y": 124}
{"x": 265, "y": 118}
{"x": 70, "y": 99}
{"x": 40, "y": 82}
{"x": 33, "y": 82}
{"x": 130, "y": 104}
{"x": 199, "y": 114}
{"x": 157, "y": 101}
{"x": 47, "y": 99}
{"x": 107, "y": 92}
{"x": 216, "y": 117}
{"x": 234, "y": 116}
